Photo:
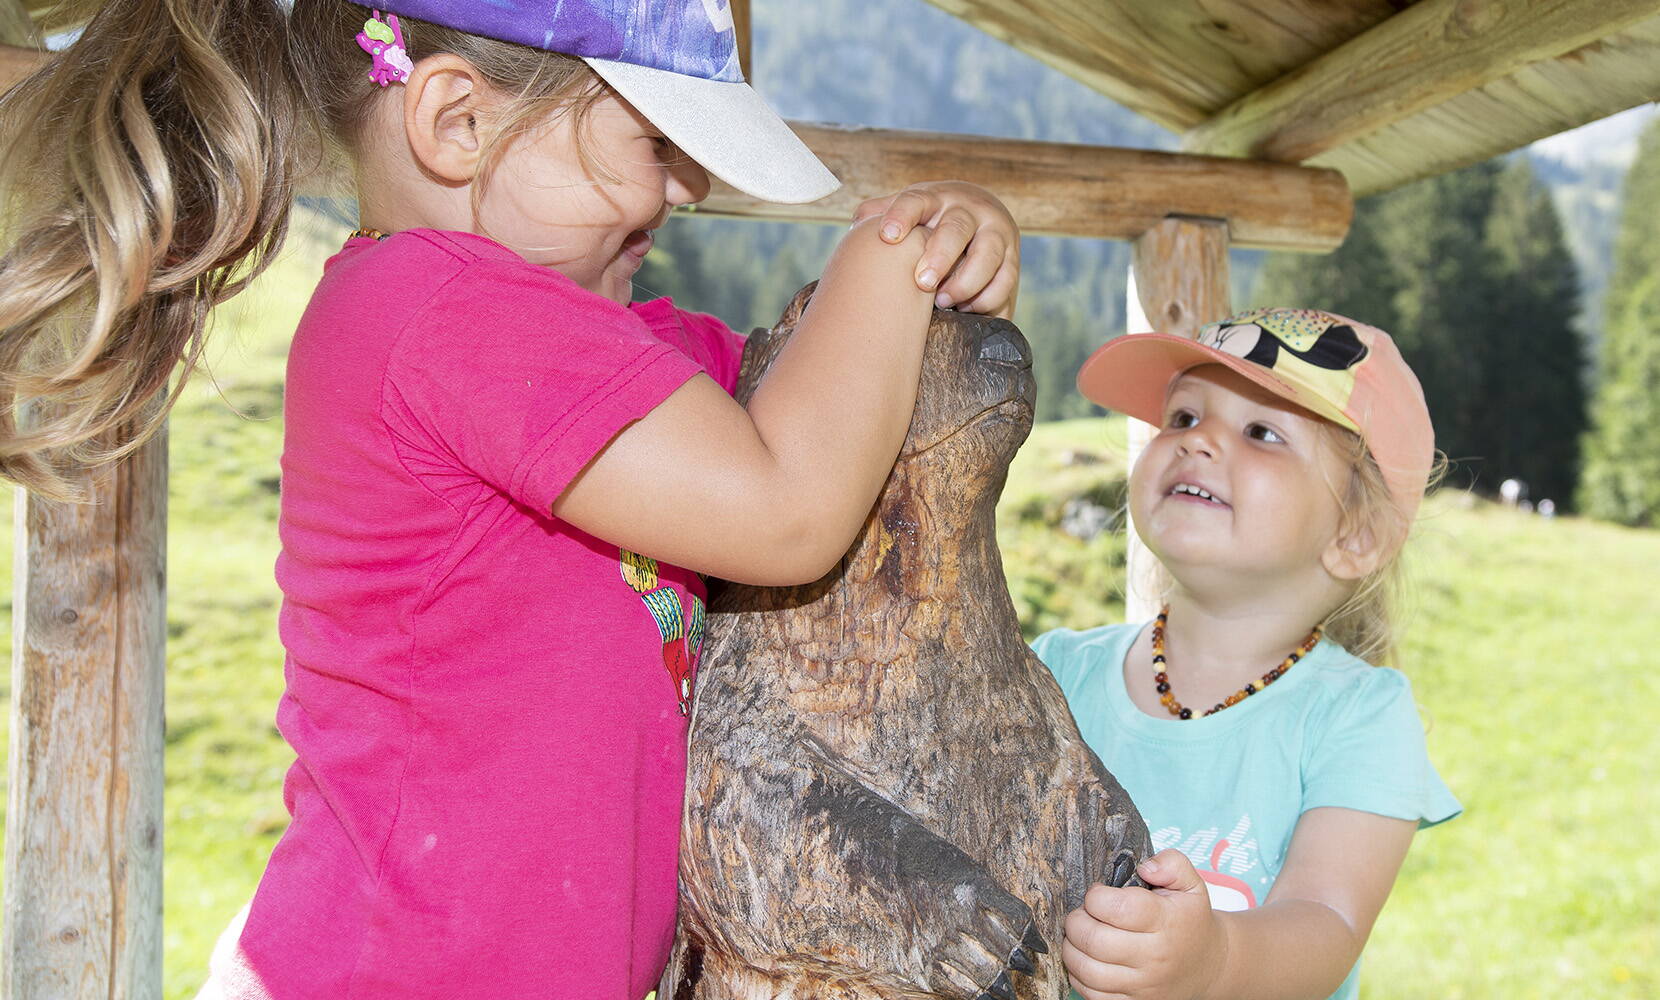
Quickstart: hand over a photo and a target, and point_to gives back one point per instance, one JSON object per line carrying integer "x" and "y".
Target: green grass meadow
{"x": 1531, "y": 645}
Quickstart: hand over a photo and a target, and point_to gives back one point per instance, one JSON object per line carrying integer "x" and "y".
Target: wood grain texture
{"x": 886, "y": 794}
{"x": 84, "y": 823}
{"x": 1422, "y": 56}
{"x": 1612, "y": 74}
{"x": 1181, "y": 278}
{"x": 1177, "y": 61}
{"x": 1073, "y": 190}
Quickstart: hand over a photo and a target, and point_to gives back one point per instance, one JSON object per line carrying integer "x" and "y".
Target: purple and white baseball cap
{"x": 674, "y": 60}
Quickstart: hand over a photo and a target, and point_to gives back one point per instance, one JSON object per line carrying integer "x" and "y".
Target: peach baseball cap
{"x": 1345, "y": 371}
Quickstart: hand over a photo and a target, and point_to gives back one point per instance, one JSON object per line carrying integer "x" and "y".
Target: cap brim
{"x": 727, "y": 128}
{"x": 1132, "y": 375}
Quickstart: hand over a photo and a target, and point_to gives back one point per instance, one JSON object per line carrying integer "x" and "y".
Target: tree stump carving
{"x": 887, "y": 796}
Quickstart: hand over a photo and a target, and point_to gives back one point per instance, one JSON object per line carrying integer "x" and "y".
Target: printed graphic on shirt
{"x": 682, "y": 633}
{"x": 1231, "y": 866}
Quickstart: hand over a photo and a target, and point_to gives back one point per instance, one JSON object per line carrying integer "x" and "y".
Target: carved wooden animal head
{"x": 974, "y": 409}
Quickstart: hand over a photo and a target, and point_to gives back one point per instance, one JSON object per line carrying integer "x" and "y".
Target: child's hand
{"x": 972, "y": 258}
{"x": 1166, "y": 943}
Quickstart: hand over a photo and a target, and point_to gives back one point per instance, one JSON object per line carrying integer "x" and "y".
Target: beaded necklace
{"x": 373, "y": 234}
{"x": 1161, "y": 680}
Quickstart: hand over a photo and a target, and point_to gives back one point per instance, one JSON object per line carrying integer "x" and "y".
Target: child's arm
{"x": 776, "y": 493}
{"x": 1301, "y": 943}
{"x": 972, "y": 257}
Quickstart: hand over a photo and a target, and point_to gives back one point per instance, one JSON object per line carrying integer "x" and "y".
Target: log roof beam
{"x": 1074, "y": 190}
{"x": 1428, "y": 53}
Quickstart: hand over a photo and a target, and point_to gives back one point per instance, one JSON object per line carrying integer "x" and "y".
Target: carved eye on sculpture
{"x": 1003, "y": 345}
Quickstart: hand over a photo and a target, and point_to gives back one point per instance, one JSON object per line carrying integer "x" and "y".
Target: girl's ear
{"x": 1355, "y": 553}
{"x": 442, "y": 103}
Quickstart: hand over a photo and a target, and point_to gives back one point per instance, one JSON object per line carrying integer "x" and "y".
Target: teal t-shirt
{"x": 1227, "y": 789}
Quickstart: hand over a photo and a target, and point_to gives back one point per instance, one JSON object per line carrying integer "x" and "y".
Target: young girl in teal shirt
{"x": 1281, "y": 774}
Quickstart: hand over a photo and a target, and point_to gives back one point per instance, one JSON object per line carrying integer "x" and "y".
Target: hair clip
{"x": 384, "y": 41}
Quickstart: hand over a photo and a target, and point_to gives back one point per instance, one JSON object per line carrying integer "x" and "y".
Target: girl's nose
{"x": 1197, "y": 440}
{"x": 688, "y": 182}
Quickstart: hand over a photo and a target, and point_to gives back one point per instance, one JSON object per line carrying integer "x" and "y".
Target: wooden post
{"x": 1179, "y": 280}
{"x": 746, "y": 38}
{"x": 84, "y": 826}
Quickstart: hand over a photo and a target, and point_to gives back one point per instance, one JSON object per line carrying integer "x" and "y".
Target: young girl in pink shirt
{"x": 501, "y": 479}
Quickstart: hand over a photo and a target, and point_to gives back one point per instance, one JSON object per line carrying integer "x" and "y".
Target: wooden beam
{"x": 1424, "y": 55}
{"x": 1615, "y": 73}
{"x": 1072, "y": 190}
{"x": 1176, "y": 62}
{"x": 84, "y": 823}
{"x": 741, "y": 24}
{"x": 1179, "y": 277}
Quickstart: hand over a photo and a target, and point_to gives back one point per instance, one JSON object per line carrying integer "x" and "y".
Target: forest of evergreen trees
{"x": 1472, "y": 271}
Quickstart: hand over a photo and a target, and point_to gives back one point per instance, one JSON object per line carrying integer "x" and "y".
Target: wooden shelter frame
{"x": 83, "y": 852}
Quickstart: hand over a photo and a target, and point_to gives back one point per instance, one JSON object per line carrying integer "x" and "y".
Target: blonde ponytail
{"x": 149, "y": 174}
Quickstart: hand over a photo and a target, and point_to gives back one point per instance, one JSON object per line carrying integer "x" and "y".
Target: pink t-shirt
{"x": 486, "y": 703}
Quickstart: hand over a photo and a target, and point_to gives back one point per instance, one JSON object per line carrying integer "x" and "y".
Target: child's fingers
{"x": 978, "y": 266}
{"x": 870, "y": 207}
{"x": 1093, "y": 977}
{"x": 1125, "y": 909}
{"x": 1171, "y": 870}
{"x": 944, "y": 250}
{"x": 997, "y": 298}
{"x": 908, "y": 209}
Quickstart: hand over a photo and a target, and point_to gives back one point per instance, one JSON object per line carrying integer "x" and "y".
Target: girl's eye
{"x": 1262, "y": 432}
{"x": 1180, "y": 419}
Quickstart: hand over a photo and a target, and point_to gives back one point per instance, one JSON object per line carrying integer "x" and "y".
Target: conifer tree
{"x": 1622, "y": 450}
{"x": 1532, "y": 355}
{"x": 1357, "y": 279}
{"x": 1434, "y": 233}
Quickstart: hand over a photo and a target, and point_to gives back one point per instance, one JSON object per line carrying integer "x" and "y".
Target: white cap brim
{"x": 727, "y": 128}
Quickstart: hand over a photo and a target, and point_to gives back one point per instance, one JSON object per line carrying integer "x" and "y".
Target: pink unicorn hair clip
{"x": 384, "y": 41}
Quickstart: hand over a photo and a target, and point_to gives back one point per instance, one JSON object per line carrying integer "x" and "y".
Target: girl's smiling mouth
{"x": 1195, "y": 492}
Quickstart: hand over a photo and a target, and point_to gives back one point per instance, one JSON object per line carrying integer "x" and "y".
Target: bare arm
{"x": 1310, "y": 930}
{"x": 775, "y": 494}
{"x": 1169, "y": 943}
{"x": 16, "y": 63}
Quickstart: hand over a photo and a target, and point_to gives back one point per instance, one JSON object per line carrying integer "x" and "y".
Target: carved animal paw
{"x": 994, "y": 935}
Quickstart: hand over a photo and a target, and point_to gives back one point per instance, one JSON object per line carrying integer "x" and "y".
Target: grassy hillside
{"x": 1531, "y": 651}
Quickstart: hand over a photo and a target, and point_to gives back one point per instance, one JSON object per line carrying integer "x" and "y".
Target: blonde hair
{"x": 159, "y": 167}
{"x": 1364, "y": 624}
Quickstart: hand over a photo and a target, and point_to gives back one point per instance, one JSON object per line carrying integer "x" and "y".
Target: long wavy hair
{"x": 149, "y": 172}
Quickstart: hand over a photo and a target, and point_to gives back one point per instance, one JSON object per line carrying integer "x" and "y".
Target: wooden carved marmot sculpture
{"x": 887, "y": 796}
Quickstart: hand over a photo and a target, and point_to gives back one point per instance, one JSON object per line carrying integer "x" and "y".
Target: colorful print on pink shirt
{"x": 682, "y": 634}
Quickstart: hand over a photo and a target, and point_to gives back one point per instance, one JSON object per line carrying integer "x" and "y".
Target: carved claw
{"x": 1033, "y": 941}
{"x": 1123, "y": 868}
{"x": 1000, "y": 989}
{"x": 1019, "y": 961}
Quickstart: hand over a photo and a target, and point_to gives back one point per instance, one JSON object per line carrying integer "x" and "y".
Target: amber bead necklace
{"x": 1161, "y": 679}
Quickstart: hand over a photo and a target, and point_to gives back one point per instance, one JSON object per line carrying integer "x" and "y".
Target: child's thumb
{"x": 1170, "y": 869}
